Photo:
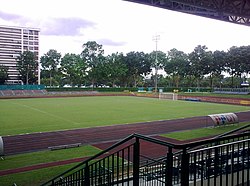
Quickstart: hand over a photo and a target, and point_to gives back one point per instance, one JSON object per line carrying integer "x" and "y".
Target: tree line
{"x": 200, "y": 68}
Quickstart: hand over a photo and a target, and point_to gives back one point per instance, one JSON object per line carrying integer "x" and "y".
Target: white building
{"x": 13, "y": 42}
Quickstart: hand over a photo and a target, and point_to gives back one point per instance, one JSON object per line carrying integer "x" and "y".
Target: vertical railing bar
{"x": 103, "y": 170}
{"x": 184, "y": 168}
{"x": 195, "y": 168}
{"x": 221, "y": 163}
{"x": 113, "y": 168}
{"x": 216, "y": 164}
{"x": 202, "y": 168}
{"x": 169, "y": 167}
{"x": 109, "y": 174}
{"x": 227, "y": 157}
{"x": 73, "y": 177}
{"x": 77, "y": 176}
{"x": 243, "y": 161}
{"x": 209, "y": 166}
{"x": 136, "y": 162}
{"x": 117, "y": 166}
{"x": 232, "y": 165}
{"x": 123, "y": 167}
{"x": 96, "y": 169}
{"x": 99, "y": 172}
{"x": 86, "y": 171}
{"x": 69, "y": 178}
{"x": 128, "y": 163}
{"x": 238, "y": 163}
{"x": 248, "y": 162}
{"x": 82, "y": 176}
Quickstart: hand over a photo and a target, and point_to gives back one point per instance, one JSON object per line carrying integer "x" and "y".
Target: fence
{"x": 22, "y": 87}
{"x": 219, "y": 161}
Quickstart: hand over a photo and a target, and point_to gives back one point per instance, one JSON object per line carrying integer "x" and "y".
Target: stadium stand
{"x": 10, "y": 93}
{"x": 21, "y": 90}
{"x": 242, "y": 91}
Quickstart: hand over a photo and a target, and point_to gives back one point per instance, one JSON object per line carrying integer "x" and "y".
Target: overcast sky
{"x": 118, "y": 25}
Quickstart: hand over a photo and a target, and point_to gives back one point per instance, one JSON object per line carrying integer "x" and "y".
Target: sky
{"x": 119, "y": 26}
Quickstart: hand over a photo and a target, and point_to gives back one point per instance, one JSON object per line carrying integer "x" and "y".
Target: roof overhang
{"x": 234, "y": 11}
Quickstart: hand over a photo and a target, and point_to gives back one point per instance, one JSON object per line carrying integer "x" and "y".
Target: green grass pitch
{"x": 18, "y": 116}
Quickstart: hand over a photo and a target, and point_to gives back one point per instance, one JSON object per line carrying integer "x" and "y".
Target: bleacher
{"x": 240, "y": 91}
{"x": 22, "y": 90}
{"x": 16, "y": 93}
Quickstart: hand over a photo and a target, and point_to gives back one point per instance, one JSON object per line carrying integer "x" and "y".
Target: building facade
{"x": 13, "y": 42}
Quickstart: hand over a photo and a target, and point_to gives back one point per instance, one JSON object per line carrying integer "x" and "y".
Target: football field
{"x": 20, "y": 116}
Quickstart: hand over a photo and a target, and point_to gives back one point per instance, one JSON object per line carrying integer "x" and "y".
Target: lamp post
{"x": 156, "y": 38}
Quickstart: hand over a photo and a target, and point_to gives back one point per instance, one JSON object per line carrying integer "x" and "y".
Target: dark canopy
{"x": 235, "y": 11}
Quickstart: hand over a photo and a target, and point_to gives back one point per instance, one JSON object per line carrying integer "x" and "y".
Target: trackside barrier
{"x": 223, "y": 119}
{"x": 221, "y": 161}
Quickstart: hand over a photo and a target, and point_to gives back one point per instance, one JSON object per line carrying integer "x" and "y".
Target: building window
{"x": 25, "y": 31}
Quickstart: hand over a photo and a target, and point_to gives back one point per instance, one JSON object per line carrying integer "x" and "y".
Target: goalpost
{"x": 171, "y": 96}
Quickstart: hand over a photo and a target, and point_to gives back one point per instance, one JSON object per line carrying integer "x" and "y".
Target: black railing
{"x": 219, "y": 161}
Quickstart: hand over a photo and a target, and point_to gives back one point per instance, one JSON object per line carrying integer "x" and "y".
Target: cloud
{"x": 9, "y": 17}
{"x": 109, "y": 42}
{"x": 65, "y": 26}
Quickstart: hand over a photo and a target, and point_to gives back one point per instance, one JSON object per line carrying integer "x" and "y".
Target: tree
{"x": 200, "y": 60}
{"x": 27, "y": 67}
{"x": 238, "y": 59}
{"x": 116, "y": 68}
{"x": 138, "y": 64}
{"x": 50, "y": 62}
{"x": 217, "y": 66}
{"x": 177, "y": 65}
{"x": 74, "y": 69}
{"x": 3, "y": 74}
{"x": 92, "y": 52}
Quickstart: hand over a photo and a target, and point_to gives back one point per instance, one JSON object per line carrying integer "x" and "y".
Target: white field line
{"x": 46, "y": 113}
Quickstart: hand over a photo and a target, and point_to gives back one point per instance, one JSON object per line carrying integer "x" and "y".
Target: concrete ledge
{"x": 58, "y": 147}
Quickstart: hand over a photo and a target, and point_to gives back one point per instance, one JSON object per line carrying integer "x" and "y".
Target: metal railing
{"x": 219, "y": 161}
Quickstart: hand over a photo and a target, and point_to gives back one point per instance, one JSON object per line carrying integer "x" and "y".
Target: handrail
{"x": 93, "y": 157}
{"x": 212, "y": 140}
{"x": 149, "y": 139}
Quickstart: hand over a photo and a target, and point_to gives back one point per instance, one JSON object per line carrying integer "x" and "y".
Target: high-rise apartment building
{"x": 13, "y": 42}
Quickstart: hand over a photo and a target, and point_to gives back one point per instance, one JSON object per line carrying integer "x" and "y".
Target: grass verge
{"x": 203, "y": 132}
{"x": 36, "y": 177}
{"x": 34, "y": 158}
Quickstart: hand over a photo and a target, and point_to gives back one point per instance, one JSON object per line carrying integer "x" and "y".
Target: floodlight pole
{"x": 156, "y": 38}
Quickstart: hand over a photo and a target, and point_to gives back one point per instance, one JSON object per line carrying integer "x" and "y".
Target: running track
{"x": 41, "y": 141}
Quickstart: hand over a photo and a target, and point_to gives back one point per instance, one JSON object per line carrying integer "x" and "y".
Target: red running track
{"x": 41, "y": 141}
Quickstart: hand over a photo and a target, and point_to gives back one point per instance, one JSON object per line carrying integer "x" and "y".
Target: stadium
{"x": 107, "y": 124}
{"x": 87, "y": 136}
